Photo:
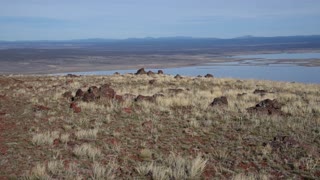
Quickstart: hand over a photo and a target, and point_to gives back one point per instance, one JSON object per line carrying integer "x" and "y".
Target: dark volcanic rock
{"x": 72, "y": 105}
{"x": 150, "y": 73}
{"x": 116, "y": 73}
{"x": 208, "y": 76}
{"x": 267, "y": 107}
{"x": 178, "y": 76}
{"x": 199, "y": 76}
{"x": 106, "y": 91}
{"x": 88, "y": 97}
{"x": 94, "y": 90}
{"x": 220, "y": 101}
{"x": 118, "y": 98}
{"x": 160, "y": 72}
{"x": 72, "y": 75}
{"x": 75, "y": 107}
{"x": 79, "y": 93}
{"x": 141, "y": 71}
{"x": 144, "y": 98}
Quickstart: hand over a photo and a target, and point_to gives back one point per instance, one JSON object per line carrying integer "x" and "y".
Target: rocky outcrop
{"x": 208, "y": 76}
{"x": 220, "y": 101}
{"x": 140, "y": 71}
{"x": 106, "y": 91}
{"x": 93, "y": 93}
{"x": 160, "y": 72}
{"x": 79, "y": 93}
{"x": 266, "y": 107}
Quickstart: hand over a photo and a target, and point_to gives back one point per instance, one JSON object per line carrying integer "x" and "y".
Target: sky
{"x": 120, "y": 19}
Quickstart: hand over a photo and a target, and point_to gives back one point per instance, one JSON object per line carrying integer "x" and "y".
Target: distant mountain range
{"x": 98, "y": 40}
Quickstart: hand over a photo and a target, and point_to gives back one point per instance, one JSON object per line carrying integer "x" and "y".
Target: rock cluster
{"x": 266, "y": 107}
{"x": 93, "y": 93}
{"x": 149, "y": 73}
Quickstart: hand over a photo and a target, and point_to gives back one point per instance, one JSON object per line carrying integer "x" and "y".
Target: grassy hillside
{"x": 175, "y": 130}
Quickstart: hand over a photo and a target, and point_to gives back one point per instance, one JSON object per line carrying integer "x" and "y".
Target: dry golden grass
{"x": 135, "y": 140}
{"x": 86, "y": 150}
{"x": 174, "y": 167}
{"x": 45, "y": 138}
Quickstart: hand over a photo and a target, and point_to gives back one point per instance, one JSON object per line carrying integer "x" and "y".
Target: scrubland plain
{"x": 173, "y": 131}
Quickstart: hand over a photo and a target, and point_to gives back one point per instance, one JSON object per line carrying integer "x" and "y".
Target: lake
{"x": 277, "y": 72}
{"x": 282, "y": 56}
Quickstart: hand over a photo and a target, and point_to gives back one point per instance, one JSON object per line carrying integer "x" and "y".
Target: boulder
{"x": 79, "y": 93}
{"x": 75, "y": 107}
{"x": 149, "y": 73}
{"x": 178, "y": 76}
{"x": 266, "y": 107}
{"x": 88, "y": 97}
{"x": 116, "y": 73}
{"x": 106, "y": 91}
{"x": 208, "y": 76}
{"x": 72, "y": 105}
{"x": 94, "y": 90}
{"x": 141, "y": 71}
{"x": 220, "y": 101}
{"x": 160, "y": 72}
{"x": 118, "y": 98}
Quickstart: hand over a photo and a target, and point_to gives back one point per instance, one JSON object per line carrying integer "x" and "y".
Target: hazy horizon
{"x": 122, "y": 19}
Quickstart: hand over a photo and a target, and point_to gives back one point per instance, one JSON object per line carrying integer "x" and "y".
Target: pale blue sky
{"x": 78, "y": 19}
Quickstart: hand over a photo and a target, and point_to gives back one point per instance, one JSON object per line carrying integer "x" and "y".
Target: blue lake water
{"x": 277, "y": 72}
{"x": 282, "y": 56}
